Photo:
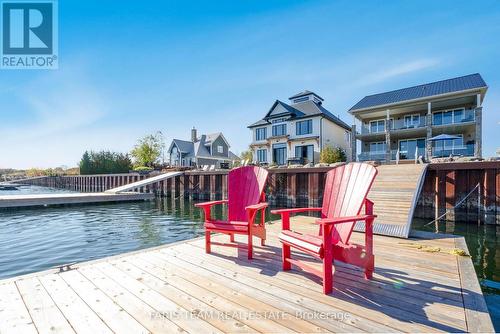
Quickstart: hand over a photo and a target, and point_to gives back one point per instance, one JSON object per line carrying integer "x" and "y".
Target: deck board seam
{"x": 26, "y": 307}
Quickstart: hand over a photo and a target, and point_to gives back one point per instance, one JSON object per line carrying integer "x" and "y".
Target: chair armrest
{"x": 340, "y": 220}
{"x": 252, "y": 211}
{"x": 256, "y": 207}
{"x": 212, "y": 203}
{"x": 207, "y": 208}
{"x": 294, "y": 210}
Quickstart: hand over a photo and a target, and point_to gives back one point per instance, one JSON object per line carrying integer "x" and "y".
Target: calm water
{"x": 41, "y": 238}
{"x": 483, "y": 242}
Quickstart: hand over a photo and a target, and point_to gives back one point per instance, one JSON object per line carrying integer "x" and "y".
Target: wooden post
{"x": 291, "y": 179}
{"x": 213, "y": 194}
{"x": 450, "y": 195}
{"x": 312, "y": 189}
{"x": 489, "y": 203}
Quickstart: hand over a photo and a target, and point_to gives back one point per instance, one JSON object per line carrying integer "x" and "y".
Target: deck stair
{"x": 395, "y": 194}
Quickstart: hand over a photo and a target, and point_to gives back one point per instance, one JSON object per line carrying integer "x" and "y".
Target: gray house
{"x": 211, "y": 149}
{"x": 399, "y": 125}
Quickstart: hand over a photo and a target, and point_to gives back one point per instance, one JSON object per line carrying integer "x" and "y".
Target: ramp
{"x": 395, "y": 193}
{"x": 145, "y": 182}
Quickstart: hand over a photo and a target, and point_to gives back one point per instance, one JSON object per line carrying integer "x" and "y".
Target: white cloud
{"x": 58, "y": 104}
{"x": 396, "y": 70}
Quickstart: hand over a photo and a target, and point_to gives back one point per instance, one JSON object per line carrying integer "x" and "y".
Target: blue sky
{"x": 130, "y": 68}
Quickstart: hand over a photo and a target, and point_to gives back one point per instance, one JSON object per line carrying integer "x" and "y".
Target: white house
{"x": 299, "y": 130}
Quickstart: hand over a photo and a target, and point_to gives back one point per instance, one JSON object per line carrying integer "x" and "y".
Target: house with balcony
{"x": 211, "y": 150}
{"x": 297, "y": 131}
{"x": 402, "y": 124}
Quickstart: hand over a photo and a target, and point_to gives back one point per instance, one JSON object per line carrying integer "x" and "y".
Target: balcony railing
{"x": 370, "y": 156}
{"x": 466, "y": 150}
{"x": 455, "y": 117}
{"x": 401, "y": 124}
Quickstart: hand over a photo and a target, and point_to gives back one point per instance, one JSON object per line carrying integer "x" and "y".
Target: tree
{"x": 247, "y": 155}
{"x": 85, "y": 164}
{"x": 331, "y": 155}
{"x": 148, "y": 150}
{"x": 104, "y": 162}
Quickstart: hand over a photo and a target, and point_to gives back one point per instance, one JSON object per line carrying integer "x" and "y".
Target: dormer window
{"x": 306, "y": 96}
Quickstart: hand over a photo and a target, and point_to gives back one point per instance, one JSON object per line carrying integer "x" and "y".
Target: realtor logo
{"x": 29, "y": 34}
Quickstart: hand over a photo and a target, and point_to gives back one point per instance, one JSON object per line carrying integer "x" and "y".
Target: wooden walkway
{"x": 15, "y": 201}
{"x": 179, "y": 288}
{"x": 145, "y": 182}
{"x": 395, "y": 193}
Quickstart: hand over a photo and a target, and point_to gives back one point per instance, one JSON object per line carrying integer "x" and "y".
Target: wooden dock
{"x": 178, "y": 287}
{"x": 16, "y": 201}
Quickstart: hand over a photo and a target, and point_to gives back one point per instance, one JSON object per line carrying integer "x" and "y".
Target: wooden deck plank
{"x": 347, "y": 301}
{"x": 161, "y": 268}
{"x": 113, "y": 315}
{"x": 451, "y": 309}
{"x": 80, "y": 316}
{"x": 168, "y": 289}
{"x": 45, "y": 314}
{"x": 14, "y": 316}
{"x": 164, "y": 305}
{"x": 187, "y": 298}
{"x": 140, "y": 310}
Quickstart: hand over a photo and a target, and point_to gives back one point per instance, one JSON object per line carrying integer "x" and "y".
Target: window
{"x": 347, "y": 137}
{"x": 262, "y": 155}
{"x": 377, "y": 126}
{"x": 260, "y": 134}
{"x": 377, "y": 147}
{"x": 306, "y": 152}
{"x": 278, "y": 120}
{"x": 220, "y": 149}
{"x": 279, "y": 130}
{"x": 304, "y": 127}
{"x": 279, "y": 154}
{"x": 450, "y": 117}
{"x": 301, "y": 99}
{"x": 412, "y": 121}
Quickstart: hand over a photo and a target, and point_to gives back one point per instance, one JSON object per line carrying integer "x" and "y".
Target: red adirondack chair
{"x": 245, "y": 198}
{"x": 345, "y": 194}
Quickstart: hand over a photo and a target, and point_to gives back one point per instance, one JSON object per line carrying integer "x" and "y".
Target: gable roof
{"x": 459, "y": 84}
{"x": 303, "y": 110}
{"x": 213, "y": 136}
{"x": 182, "y": 145}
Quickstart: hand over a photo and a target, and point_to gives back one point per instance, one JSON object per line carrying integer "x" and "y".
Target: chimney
{"x": 194, "y": 136}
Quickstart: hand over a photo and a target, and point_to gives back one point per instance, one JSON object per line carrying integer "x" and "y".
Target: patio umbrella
{"x": 443, "y": 137}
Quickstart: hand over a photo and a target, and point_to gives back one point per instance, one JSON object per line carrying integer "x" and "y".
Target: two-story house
{"x": 298, "y": 130}
{"x": 403, "y": 124}
{"x": 211, "y": 149}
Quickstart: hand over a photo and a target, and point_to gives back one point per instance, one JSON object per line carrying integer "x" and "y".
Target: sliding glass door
{"x": 408, "y": 147}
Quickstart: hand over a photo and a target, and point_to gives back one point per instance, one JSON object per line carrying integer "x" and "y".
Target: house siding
{"x": 220, "y": 142}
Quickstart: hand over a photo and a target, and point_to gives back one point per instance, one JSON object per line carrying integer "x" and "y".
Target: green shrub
{"x": 143, "y": 169}
{"x": 330, "y": 155}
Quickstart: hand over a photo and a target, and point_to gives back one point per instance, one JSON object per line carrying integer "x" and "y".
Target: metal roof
{"x": 304, "y": 93}
{"x": 459, "y": 84}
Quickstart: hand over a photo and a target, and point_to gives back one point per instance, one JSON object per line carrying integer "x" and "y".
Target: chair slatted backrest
{"x": 245, "y": 187}
{"x": 346, "y": 188}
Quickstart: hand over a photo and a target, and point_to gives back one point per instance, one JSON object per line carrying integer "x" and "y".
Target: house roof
{"x": 459, "y": 84}
{"x": 199, "y": 148}
{"x": 304, "y": 93}
{"x": 182, "y": 145}
{"x": 303, "y": 110}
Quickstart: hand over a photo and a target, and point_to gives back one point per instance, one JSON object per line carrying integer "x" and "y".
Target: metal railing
{"x": 464, "y": 150}
{"x": 370, "y": 156}
{"x": 401, "y": 124}
{"x": 469, "y": 115}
